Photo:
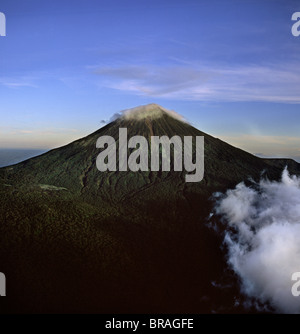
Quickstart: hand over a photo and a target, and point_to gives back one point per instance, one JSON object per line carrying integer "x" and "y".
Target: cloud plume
{"x": 263, "y": 239}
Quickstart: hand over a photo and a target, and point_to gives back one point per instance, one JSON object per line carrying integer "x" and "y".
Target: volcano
{"x": 74, "y": 239}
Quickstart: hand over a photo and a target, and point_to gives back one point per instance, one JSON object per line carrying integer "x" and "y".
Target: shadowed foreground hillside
{"x": 73, "y": 239}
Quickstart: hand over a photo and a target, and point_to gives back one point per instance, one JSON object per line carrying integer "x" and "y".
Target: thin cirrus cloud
{"x": 264, "y": 83}
{"x": 17, "y": 82}
{"x": 152, "y": 80}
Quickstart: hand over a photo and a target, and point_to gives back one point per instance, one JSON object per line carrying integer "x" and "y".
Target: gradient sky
{"x": 230, "y": 67}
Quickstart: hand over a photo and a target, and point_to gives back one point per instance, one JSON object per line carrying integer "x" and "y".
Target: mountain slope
{"x": 74, "y": 166}
{"x": 86, "y": 241}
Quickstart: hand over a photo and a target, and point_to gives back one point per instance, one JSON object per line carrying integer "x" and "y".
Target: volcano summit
{"x": 74, "y": 239}
{"x": 139, "y": 158}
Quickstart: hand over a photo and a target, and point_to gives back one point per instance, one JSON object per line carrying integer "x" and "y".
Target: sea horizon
{"x": 12, "y": 156}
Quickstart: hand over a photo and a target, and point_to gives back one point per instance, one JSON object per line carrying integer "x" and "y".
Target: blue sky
{"x": 231, "y": 67}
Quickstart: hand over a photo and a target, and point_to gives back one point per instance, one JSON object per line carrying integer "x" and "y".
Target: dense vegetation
{"x": 73, "y": 239}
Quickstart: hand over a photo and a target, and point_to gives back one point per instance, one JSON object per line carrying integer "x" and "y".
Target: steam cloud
{"x": 263, "y": 239}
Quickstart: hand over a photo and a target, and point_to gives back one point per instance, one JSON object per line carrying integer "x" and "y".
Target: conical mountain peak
{"x": 149, "y": 111}
{"x": 99, "y": 232}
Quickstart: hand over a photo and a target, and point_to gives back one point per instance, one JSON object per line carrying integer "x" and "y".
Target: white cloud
{"x": 18, "y": 82}
{"x": 262, "y": 236}
{"x": 270, "y": 83}
{"x": 151, "y": 80}
{"x": 152, "y": 110}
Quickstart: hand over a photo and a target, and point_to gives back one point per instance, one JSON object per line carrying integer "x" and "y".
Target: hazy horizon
{"x": 11, "y": 156}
